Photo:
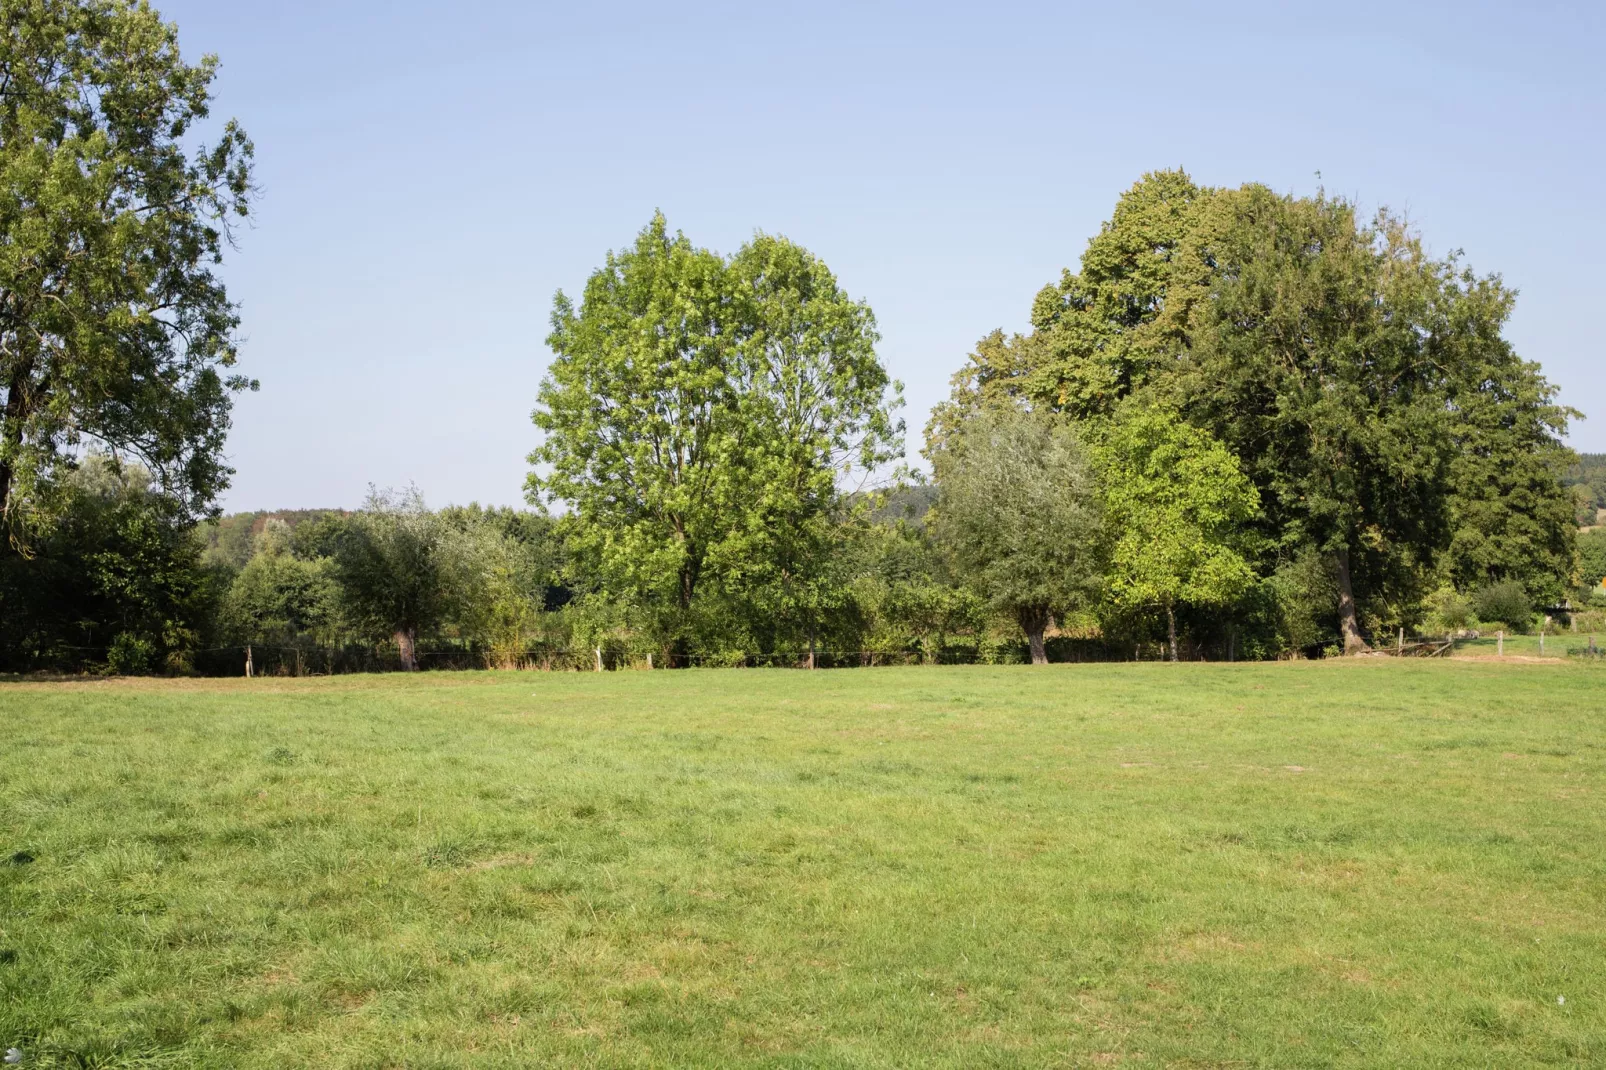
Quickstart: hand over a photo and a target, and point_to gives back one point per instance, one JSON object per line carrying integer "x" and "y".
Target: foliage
{"x": 115, "y": 330}
{"x": 279, "y": 598}
{"x": 1592, "y": 557}
{"x": 1364, "y": 387}
{"x": 1178, "y": 510}
{"x": 1587, "y": 474}
{"x": 1505, "y": 602}
{"x": 231, "y": 540}
{"x": 1019, "y": 512}
{"x": 696, "y": 419}
{"x": 396, "y": 566}
{"x": 117, "y": 575}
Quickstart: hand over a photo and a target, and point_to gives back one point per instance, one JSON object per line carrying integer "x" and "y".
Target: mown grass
{"x": 1319, "y": 864}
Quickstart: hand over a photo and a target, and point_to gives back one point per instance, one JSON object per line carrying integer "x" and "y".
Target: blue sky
{"x": 431, "y": 174}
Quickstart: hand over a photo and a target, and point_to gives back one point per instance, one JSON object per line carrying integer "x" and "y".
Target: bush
{"x": 1592, "y": 558}
{"x": 1448, "y": 611}
{"x": 1505, "y": 601}
{"x": 129, "y": 655}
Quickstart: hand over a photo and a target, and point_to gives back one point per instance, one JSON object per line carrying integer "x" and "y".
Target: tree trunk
{"x": 1171, "y": 627}
{"x": 12, "y": 420}
{"x": 406, "y": 638}
{"x": 1034, "y": 622}
{"x": 1349, "y": 627}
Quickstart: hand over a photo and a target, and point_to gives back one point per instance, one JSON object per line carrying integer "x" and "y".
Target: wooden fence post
{"x": 649, "y": 659}
{"x": 1399, "y": 644}
{"x": 599, "y": 658}
{"x": 1500, "y": 643}
{"x": 248, "y": 661}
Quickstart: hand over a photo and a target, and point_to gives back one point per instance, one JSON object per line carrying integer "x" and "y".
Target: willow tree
{"x": 115, "y": 331}
{"x": 1018, "y": 510}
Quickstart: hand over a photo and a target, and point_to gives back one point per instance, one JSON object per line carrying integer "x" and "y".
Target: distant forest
{"x": 1588, "y": 480}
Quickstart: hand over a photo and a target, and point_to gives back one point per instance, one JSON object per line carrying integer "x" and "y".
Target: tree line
{"x": 1248, "y": 425}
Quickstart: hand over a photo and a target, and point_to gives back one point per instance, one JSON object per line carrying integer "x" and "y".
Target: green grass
{"x": 1353, "y": 864}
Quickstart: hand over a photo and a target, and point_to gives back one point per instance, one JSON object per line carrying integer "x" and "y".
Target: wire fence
{"x": 451, "y": 654}
{"x": 456, "y": 655}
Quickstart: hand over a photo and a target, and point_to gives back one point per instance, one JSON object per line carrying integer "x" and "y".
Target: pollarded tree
{"x": 399, "y": 569}
{"x": 1178, "y": 509}
{"x": 114, "y": 329}
{"x": 1018, "y": 509}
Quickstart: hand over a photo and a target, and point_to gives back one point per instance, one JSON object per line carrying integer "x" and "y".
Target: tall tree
{"x": 641, "y": 436}
{"x": 699, "y": 416}
{"x": 114, "y": 328}
{"x": 1019, "y": 511}
{"x": 1178, "y": 510}
{"x": 1364, "y": 386}
{"x": 1350, "y": 371}
{"x": 816, "y": 407}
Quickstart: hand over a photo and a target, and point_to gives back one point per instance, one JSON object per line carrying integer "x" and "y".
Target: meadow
{"x": 1332, "y": 864}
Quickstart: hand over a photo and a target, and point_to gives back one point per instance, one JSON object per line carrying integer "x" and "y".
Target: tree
{"x": 1511, "y": 516}
{"x": 640, "y": 433}
{"x": 1364, "y": 386}
{"x": 1177, "y": 508}
{"x": 397, "y": 568}
{"x": 1592, "y": 558}
{"x": 1322, "y": 358}
{"x": 277, "y": 597}
{"x": 1018, "y": 510}
{"x": 697, "y": 418}
{"x": 114, "y": 329}
{"x": 119, "y": 568}
{"x": 814, "y": 403}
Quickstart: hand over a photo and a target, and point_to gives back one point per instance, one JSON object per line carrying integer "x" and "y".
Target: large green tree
{"x": 1364, "y": 386}
{"x": 1019, "y": 512}
{"x": 115, "y": 330}
{"x": 814, "y": 401}
{"x": 698, "y": 419}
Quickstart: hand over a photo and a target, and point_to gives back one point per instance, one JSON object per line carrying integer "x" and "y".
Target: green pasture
{"x": 1336, "y": 864}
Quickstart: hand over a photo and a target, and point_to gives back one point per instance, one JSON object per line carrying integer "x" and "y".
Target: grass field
{"x": 1369, "y": 864}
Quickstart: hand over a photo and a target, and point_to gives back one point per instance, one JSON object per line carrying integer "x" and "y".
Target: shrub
{"x": 1506, "y": 601}
{"x": 129, "y": 655}
{"x": 1592, "y": 558}
{"x": 1448, "y": 611}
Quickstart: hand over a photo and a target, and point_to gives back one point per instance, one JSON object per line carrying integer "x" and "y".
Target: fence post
{"x": 598, "y": 651}
{"x": 649, "y": 659}
{"x": 248, "y": 661}
{"x": 1399, "y": 644}
{"x": 1500, "y": 643}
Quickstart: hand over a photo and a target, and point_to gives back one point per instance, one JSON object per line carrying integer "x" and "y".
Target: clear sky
{"x": 432, "y": 173}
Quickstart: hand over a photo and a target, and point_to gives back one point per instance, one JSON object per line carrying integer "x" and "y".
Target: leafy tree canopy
{"x": 115, "y": 331}
{"x": 1179, "y": 512}
{"x": 1019, "y": 512}
{"x": 700, "y": 416}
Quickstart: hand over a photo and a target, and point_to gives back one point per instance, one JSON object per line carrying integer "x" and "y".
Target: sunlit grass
{"x": 1374, "y": 864}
